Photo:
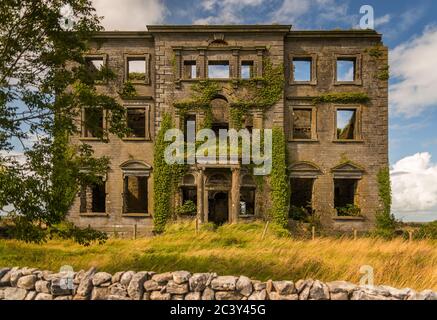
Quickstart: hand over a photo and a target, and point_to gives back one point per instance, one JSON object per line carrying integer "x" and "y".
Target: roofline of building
{"x": 353, "y": 33}
{"x": 285, "y": 29}
{"x": 220, "y": 28}
{"x": 122, "y": 35}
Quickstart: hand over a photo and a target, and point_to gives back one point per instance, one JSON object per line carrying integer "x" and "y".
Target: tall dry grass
{"x": 239, "y": 249}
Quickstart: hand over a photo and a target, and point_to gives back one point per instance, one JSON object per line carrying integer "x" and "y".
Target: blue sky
{"x": 409, "y": 29}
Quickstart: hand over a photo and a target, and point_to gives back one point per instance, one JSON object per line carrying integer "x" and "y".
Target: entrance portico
{"x": 218, "y": 193}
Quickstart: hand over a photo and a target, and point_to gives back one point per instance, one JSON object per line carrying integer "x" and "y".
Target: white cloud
{"x": 414, "y": 186}
{"x": 227, "y": 11}
{"x": 379, "y": 21}
{"x": 130, "y": 14}
{"x": 412, "y": 64}
{"x": 313, "y": 13}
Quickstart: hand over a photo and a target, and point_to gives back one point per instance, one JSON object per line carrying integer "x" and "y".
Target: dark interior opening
{"x": 136, "y": 122}
{"x": 218, "y": 209}
{"x": 135, "y": 194}
{"x": 345, "y": 190}
{"x": 301, "y": 198}
{"x": 247, "y": 201}
{"x": 93, "y": 122}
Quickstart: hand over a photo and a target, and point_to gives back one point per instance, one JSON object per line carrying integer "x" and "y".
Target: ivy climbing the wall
{"x": 162, "y": 178}
{"x": 385, "y": 220}
{"x": 348, "y": 97}
{"x": 260, "y": 92}
{"x": 166, "y": 178}
{"x": 278, "y": 179}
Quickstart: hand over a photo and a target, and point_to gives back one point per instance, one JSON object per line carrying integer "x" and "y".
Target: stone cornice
{"x": 218, "y": 28}
{"x": 334, "y": 34}
{"x": 123, "y": 35}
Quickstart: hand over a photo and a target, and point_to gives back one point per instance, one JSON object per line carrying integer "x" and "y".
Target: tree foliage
{"x": 44, "y": 84}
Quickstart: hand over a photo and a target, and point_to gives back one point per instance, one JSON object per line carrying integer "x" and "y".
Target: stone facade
{"x": 34, "y": 284}
{"x": 321, "y": 156}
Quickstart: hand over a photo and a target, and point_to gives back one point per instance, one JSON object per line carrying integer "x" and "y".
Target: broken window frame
{"x": 147, "y": 112}
{"x": 104, "y": 58}
{"x": 313, "y": 111}
{"x": 135, "y": 168}
{"x": 89, "y": 209}
{"x": 357, "y": 131}
{"x": 312, "y": 57}
{"x": 190, "y": 187}
{"x": 131, "y": 57}
{"x": 355, "y": 182}
{"x": 309, "y": 206}
{"x": 85, "y": 127}
{"x": 357, "y": 58}
{"x": 251, "y": 65}
{"x": 140, "y": 179}
{"x": 188, "y": 117}
{"x": 189, "y": 69}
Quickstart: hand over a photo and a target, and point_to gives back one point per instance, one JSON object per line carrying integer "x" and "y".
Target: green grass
{"x": 239, "y": 249}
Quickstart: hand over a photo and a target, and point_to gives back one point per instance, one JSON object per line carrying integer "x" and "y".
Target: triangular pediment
{"x": 348, "y": 167}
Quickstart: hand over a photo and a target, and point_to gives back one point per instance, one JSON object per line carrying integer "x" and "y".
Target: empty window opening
{"x": 189, "y": 126}
{"x": 301, "y": 198}
{"x": 135, "y": 194}
{"x": 247, "y": 201}
{"x": 136, "y": 122}
{"x": 302, "y": 123}
{"x": 136, "y": 69}
{"x": 302, "y": 69}
{"x": 346, "y": 69}
{"x": 218, "y": 69}
{"x": 189, "y": 194}
{"x": 190, "y": 69}
{"x": 346, "y": 124}
{"x": 344, "y": 194}
{"x": 93, "y": 123}
{"x": 246, "y": 69}
{"x": 93, "y": 198}
{"x": 94, "y": 66}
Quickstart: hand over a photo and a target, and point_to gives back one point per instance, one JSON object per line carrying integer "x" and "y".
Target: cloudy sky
{"x": 409, "y": 29}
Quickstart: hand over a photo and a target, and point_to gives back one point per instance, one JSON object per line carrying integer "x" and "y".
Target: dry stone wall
{"x": 33, "y": 284}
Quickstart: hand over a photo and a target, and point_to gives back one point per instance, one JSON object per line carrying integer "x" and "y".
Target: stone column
{"x": 257, "y": 119}
{"x": 259, "y": 62}
{"x": 235, "y": 64}
{"x": 200, "y": 192}
{"x": 202, "y": 63}
{"x": 235, "y": 195}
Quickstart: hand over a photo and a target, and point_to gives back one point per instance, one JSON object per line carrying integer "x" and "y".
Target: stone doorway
{"x": 218, "y": 207}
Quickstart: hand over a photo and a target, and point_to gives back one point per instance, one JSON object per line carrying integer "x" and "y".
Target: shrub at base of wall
{"x": 34, "y": 284}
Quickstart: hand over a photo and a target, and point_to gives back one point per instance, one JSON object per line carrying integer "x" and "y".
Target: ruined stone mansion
{"x": 336, "y": 140}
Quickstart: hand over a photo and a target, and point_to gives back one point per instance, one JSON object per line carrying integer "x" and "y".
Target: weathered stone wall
{"x": 370, "y": 151}
{"x": 116, "y": 47}
{"x": 164, "y": 46}
{"x": 34, "y": 284}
